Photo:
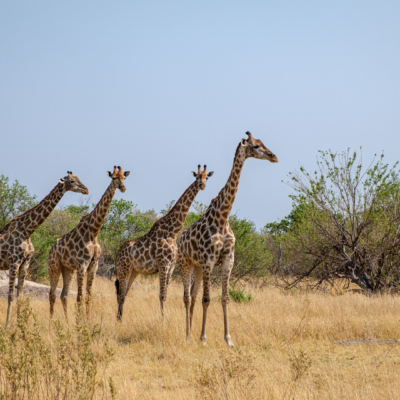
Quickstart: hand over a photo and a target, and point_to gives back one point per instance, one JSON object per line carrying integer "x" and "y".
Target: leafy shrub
{"x": 238, "y": 295}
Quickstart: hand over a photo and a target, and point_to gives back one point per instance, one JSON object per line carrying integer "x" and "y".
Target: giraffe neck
{"x": 223, "y": 203}
{"x": 98, "y": 216}
{"x": 177, "y": 215}
{"x": 29, "y": 221}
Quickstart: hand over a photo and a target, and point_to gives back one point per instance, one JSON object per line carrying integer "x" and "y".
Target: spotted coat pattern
{"x": 210, "y": 241}
{"x": 157, "y": 250}
{"x": 79, "y": 250}
{"x": 16, "y": 249}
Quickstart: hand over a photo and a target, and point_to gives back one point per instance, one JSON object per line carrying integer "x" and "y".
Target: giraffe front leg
{"x": 186, "y": 272}
{"x": 227, "y": 265}
{"x": 206, "y": 300}
{"x": 91, "y": 273}
{"x": 194, "y": 290}
{"x": 12, "y": 276}
{"x": 54, "y": 276}
{"x": 21, "y": 277}
{"x": 163, "y": 275}
{"x": 80, "y": 275}
{"x": 67, "y": 275}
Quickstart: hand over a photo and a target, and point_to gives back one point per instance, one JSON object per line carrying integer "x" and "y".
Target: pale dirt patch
{"x": 33, "y": 289}
{"x": 358, "y": 342}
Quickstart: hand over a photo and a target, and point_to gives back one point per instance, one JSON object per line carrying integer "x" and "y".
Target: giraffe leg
{"x": 227, "y": 264}
{"x": 170, "y": 272}
{"x": 186, "y": 272}
{"x": 194, "y": 290}
{"x": 67, "y": 279}
{"x": 123, "y": 291}
{"x": 206, "y": 300}
{"x": 12, "y": 276}
{"x": 21, "y": 277}
{"x": 163, "y": 275}
{"x": 54, "y": 276}
{"x": 91, "y": 273}
{"x": 80, "y": 275}
{"x": 132, "y": 278}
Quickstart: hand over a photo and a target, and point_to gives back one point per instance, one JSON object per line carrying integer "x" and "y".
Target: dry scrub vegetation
{"x": 285, "y": 348}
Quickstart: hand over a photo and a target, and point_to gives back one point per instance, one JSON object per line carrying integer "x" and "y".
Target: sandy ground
{"x": 33, "y": 289}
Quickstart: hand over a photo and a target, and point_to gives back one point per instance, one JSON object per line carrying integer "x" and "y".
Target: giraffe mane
{"x": 17, "y": 217}
{"x": 157, "y": 222}
{"x": 234, "y": 158}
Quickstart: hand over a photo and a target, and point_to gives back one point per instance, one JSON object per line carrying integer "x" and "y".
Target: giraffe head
{"x": 202, "y": 176}
{"x": 118, "y": 178}
{"x": 73, "y": 184}
{"x": 255, "y": 148}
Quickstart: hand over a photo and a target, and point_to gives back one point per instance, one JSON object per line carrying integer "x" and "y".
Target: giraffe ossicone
{"x": 16, "y": 248}
{"x": 210, "y": 241}
{"x": 79, "y": 250}
{"x": 156, "y": 251}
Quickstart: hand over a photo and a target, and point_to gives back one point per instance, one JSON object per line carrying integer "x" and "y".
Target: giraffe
{"x": 157, "y": 250}
{"x": 79, "y": 250}
{"x": 210, "y": 241}
{"x": 16, "y": 248}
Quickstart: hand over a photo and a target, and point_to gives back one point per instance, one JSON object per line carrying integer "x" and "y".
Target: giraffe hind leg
{"x": 194, "y": 290}
{"x": 91, "y": 273}
{"x": 12, "y": 277}
{"x": 54, "y": 276}
{"x": 123, "y": 287}
{"x": 67, "y": 279}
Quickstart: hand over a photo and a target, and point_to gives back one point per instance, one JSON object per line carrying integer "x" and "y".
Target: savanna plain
{"x": 288, "y": 345}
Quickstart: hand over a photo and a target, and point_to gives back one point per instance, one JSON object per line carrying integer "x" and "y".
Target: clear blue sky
{"x": 158, "y": 87}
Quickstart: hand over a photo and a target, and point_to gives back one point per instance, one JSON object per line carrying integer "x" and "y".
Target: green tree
{"x": 59, "y": 222}
{"x": 14, "y": 200}
{"x": 253, "y": 258}
{"x": 123, "y": 222}
{"x": 350, "y": 226}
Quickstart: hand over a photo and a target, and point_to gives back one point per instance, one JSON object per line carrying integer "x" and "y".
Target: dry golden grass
{"x": 284, "y": 345}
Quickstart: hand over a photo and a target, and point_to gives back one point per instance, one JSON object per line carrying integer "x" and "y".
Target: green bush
{"x": 239, "y": 296}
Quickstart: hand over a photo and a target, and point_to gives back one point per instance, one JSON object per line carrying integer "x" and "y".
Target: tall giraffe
{"x": 16, "y": 248}
{"x": 210, "y": 241}
{"x": 79, "y": 250}
{"x": 157, "y": 250}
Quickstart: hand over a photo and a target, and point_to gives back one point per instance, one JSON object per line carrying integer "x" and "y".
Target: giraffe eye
{"x": 256, "y": 146}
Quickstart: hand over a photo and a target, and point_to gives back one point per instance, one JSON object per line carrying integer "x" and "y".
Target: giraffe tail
{"x": 117, "y": 286}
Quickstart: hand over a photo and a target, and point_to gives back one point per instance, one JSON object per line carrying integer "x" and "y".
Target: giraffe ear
{"x": 244, "y": 142}
{"x": 194, "y": 174}
{"x": 109, "y": 174}
{"x": 211, "y": 174}
{"x": 61, "y": 180}
{"x": 126, "y": 173}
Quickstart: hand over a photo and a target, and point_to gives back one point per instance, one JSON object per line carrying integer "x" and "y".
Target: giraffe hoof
{"x": 229, "y": 342}
{"x": 203, "y": 340}
{"x": 189, "y": 338}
